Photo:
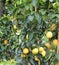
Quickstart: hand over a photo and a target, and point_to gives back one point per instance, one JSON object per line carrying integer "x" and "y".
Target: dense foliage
{"x": 29, "y": 31}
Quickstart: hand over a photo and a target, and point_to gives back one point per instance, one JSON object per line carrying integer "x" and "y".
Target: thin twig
{"x": 35, "y": 8}
{"x": 39, "y": 62}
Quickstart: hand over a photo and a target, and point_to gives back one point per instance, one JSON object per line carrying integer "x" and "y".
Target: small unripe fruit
{"x": 5, "y": 42}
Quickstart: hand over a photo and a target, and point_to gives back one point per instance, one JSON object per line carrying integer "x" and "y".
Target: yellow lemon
{"x": 43, "y": 53}
{"x": 36, "y": 58}
{"x": 53, "y": 27}
{"x": 25, "y": 50}
{"x": 41, "y": 49}
{"x": 14, "y": 26}
{"x": 49, "y": 34}
{"x": 5, "y": 42}
{"x": 57, "y": 63}
{"x": 35, "y": 51}
{"x": 55, "y": 42}
{"x": 48, "y": 45}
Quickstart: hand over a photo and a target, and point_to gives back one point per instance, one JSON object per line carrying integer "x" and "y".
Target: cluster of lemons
{"x": 6, "y": 42}
{"x": 34, "y": 51}
{"x": 49, "y": 35}
{"x": 40, "y": 50}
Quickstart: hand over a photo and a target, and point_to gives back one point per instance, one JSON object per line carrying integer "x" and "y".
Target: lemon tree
{"x": 39, "y": 33}
{"x": 29, "y": 32}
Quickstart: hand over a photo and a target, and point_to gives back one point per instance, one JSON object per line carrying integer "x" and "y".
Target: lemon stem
{"x": 39, "y": 62}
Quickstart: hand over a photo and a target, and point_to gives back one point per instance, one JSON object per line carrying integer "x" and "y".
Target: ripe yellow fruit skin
{"x": 5, "y": 42}
{"x": 57, "y": 63}
{"x": 48, "y": 45}
{"x": 35, "y": 51}
{"x": 41, "y": 49}
{"x": 43, "y": 53}
{"x": 55, "y": 42}
{"x": 25, "y": 50}
{"x": 36, "y": 58}
{"x": 49, "y": 34}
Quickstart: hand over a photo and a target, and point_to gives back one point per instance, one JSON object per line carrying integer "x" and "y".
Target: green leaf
{"x": 57, "y": 57}
{"x": 30, "y": 18}
{"x": 38, "y": 18}
{"x": 42, "y": 11}
{"x": 44, "y": 0}
{"x": 32, "y": 61}
{"x": 34, "y": 2}
{"x": 30, "y": 36}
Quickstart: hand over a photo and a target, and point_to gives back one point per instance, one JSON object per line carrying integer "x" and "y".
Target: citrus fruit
{"x": 5, "y": 42}
{"x": 35, "y": 51}
{"x": 57, "y": 63}
{"x": 49, "y": 34}
{"x": 25, "y": 50}
{"x": 43, "y": 53}
{"x": 48, "y": 45}
{"x": 55, "y": 42}
{"x": 41, "y": 49}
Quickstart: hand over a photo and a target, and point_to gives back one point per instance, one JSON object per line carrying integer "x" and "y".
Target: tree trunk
{"x": 2, "y": 8}
{"x": 58, "y": 40}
